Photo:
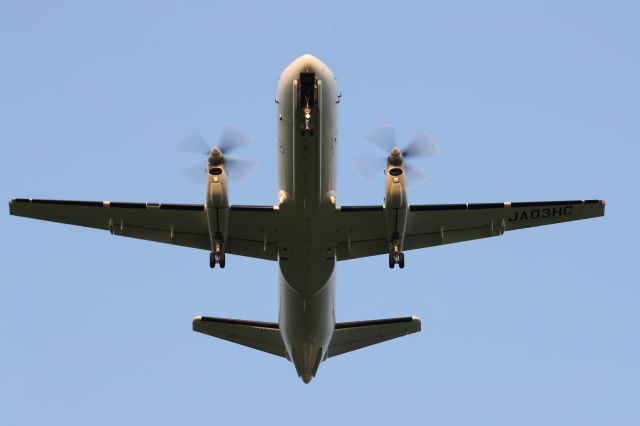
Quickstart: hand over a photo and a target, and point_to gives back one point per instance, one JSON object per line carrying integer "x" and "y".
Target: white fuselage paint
{"x": 306, "y": 183}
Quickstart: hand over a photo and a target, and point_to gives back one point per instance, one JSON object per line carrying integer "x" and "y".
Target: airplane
{"x": 307, "y": 231}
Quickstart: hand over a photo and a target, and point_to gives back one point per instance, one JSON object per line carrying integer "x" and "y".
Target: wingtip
{"x": 417, "y": 321}
{"x": 196, "y": 324}
{"x": 13, "y": 204}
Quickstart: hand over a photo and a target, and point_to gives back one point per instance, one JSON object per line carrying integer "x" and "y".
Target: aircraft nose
{"x": 307, "y": 63}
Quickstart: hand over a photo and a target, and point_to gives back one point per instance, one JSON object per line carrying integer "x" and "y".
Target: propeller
{"x": 421, "y": 146}
{"x": 231, "y": 139}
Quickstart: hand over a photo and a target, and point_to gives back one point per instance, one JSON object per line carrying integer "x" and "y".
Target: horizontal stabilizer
{"x": 349, "y": 336}
{"x": 263, "y": 336}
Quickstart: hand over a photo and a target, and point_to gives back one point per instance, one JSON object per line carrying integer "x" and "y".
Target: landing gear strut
{"x": 216, "y": 256}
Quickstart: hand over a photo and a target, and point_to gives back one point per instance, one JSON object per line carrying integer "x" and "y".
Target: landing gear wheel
{"x": 392, "y": 261}
{"x": 401, "y": 261}
{"x": 221, "y": 260}
{"x": 212, "y": 260}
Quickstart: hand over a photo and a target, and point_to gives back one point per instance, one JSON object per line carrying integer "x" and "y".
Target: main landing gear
{"x": 396, "y": 258}
{"x": 216, "y": 257}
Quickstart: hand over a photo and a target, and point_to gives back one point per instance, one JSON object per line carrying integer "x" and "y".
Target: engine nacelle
{"x": 217, "y": 195}
{"x": 395, "y": 188}
{"x": 217, "y": 208}
{"x": 396, "y": 208}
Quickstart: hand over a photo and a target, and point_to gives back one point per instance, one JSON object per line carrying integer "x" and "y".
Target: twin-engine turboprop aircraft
{"x": 306, "y": 232}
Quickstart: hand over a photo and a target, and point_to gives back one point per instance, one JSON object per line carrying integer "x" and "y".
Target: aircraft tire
{"x": 222, "y": 260}
{"x": 401, "y": 261}
{"x": 212, "y": 260}
{"x": 392, "y": 262}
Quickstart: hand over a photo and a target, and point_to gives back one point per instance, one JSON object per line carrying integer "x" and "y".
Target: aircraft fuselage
{"x": 306, "y": 114}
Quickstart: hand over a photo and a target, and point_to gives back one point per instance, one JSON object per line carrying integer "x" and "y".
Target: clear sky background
{"x": 528, "y": 100}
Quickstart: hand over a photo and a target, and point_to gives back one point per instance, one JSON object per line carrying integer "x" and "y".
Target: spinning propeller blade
{"x": 194, "y": 174}
{"x": 230, "y": 140}
{"x": 195, "y": 144}
{"x": 367, "y": 167}
{"x": 239, "y": 169}
{"x": 421, "y": 146}
{"x": 383, "y": 137}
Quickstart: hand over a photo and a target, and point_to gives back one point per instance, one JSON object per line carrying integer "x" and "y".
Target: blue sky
{"x": 528, "y": 101}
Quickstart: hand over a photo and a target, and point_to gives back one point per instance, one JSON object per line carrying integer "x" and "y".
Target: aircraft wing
{"x": 179, "y": 224}
{"x": 363, "y": 228}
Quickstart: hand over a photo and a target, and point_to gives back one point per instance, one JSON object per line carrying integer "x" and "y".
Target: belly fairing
{"x": 306, "y": 271}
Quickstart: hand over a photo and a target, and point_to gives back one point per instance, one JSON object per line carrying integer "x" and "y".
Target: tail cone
{"x": 307, "y": 360}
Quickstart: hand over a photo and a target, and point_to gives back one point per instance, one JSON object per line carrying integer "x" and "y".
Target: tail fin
{"x": 263, "y": 336}
{"x": 349, "y": 336}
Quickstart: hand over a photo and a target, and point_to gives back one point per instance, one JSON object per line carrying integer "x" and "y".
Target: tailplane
{"x": 266, "y": 337}
{"x": 263, "y": 336}
{"x": 350, "y": 336}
